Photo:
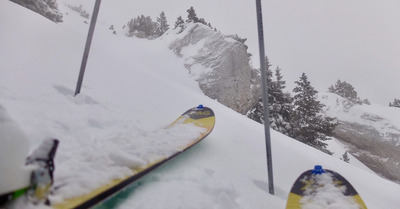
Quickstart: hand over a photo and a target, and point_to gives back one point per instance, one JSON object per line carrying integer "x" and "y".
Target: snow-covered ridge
{"x": 372, "y": 130}
{"x": 385, "y": 120}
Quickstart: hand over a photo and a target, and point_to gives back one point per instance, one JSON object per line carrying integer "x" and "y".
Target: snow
{"x": 16, "y": 151}
{"x": 327, "y": 195}
{"x": 132, "y": 89}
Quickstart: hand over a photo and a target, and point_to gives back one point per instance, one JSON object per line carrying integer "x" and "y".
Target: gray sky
{"x": 357, "y": 41}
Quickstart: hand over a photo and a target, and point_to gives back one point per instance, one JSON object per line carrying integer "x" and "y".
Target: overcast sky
{"x": 357, "y": 41}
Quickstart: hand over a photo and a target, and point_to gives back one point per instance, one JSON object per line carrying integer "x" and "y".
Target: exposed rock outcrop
{"x": 220, "y": 64}
{"x": 371, "y": 148}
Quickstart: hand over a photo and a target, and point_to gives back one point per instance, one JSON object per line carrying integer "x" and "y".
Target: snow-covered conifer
{"x": 281, "y": 107}
{"x": 162, "y": 24}
{"x": 307, "y": 123}
{"x": 396, "y": 103}
{"x": 179, "y": 23}
{"x": 192, "y": 16}
{"x": 345, "y": 90}
{"x": 345, "y": 157}
{"x": 279, "y": 102}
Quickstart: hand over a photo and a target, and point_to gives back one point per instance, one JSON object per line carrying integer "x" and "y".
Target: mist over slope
{"x": 133, "y": 88}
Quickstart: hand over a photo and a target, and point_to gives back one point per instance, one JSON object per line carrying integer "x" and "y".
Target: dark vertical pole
{"x": 87, "y": 46}
{"x": 265, "y": 96}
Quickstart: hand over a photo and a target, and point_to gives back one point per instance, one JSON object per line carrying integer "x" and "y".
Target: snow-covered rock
{"x": 220, "y": 64}
{"x": 47, "y": 8}
{"x": 372, "y": 130}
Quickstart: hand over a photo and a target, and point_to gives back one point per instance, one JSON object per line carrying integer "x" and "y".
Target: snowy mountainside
{"x": 386, "y": 120}
{"x": 372, "y": 130}
{"x": 133, "y": 88}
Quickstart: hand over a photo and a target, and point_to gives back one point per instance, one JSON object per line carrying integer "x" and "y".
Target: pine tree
{"x": 142, "y": 24}
{"x": 281, "y": 107}
{"x": 149, "y": 27}
{"x": 162, "y": 24}
{"x": 80, "y": 10}
{"x": 203, "y": 21}
{"x": 257, "y": 112}
{"x": 366, "y": 101}
{"x": 192, "y": 16}
{"x": 305, "y": 98}
{"x": 345, "y": 90}
{"x": 131, "y": 26}
{"x": 279, "y": 102}
{"x": 396, "y": 103}
{"x": 345, "y": 157}
{"x": 307, "y": 123}
{"x": 179, "y": 23}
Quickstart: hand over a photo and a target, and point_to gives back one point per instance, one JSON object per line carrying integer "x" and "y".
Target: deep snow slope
{"x": 132, "y": 88}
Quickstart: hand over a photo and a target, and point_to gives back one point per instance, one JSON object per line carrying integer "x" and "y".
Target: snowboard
{"x": 322, "y": 188}
{"x": 198, "y": 116}
{"x": 20, "y": 176}
{"x": 41, "y": 167}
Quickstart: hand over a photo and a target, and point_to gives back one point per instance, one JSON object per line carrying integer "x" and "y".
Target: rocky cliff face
{"x": 371, "y": 148}
{"x": 220, "y": 64}
{"x": 372, "y": 131}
